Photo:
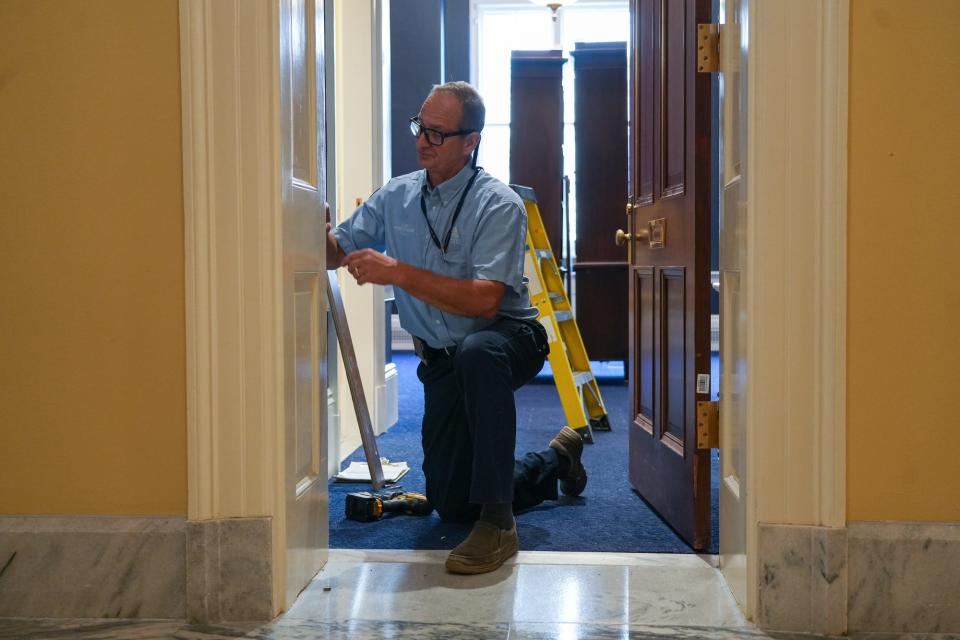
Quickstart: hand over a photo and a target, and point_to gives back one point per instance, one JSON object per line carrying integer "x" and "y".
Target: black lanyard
{"x": 456, "y": 214}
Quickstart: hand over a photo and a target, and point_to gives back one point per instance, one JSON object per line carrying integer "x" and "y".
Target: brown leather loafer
{"x": 484, "y": 550}
{"x": 569, "y": 444}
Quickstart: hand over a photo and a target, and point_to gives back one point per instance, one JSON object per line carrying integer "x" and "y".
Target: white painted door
{"x": 733, "y": 318}
{"x": 302, "y": 172}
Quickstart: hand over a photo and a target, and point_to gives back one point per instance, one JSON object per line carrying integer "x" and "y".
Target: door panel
{"x": 643, "y": 44}
{"x": 669, "y": 294}
{"x": 303, "y": 92}
{"x": 303, "y": 173}
{"x": 536, "y": 135}
{"x": 643, "y": 375}
{"x": 673, "y": 321}
{"x": 674, "y": 97}
{"x": 306, "y": 338}
{"x": 601, "y": 272}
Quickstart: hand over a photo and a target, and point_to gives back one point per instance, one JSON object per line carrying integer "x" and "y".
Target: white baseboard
{"x": 388, "y": 399}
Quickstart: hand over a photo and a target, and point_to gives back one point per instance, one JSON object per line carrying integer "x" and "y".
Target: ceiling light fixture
{"x": 553, "y": 5}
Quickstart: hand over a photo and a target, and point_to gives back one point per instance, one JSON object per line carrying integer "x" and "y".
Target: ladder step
{"x": 581, "y": 378}
{"x": 543, "y": 253}
{"x": 555, "y": 298}
{"x": 563, "y": 316}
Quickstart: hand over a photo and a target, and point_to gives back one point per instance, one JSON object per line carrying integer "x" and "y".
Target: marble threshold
{"x": 536, "y": 595}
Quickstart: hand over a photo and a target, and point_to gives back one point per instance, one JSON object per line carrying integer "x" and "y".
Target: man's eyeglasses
{"x": 434, "y": 137}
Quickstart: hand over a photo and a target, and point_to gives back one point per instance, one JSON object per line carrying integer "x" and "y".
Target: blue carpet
{"x": 609, "y": 516}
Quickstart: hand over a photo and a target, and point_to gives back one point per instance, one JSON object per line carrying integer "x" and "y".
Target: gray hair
{"x": 474, "y": 113}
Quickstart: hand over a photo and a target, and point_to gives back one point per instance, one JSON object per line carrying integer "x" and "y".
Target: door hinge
{"x": 708, "y": 48}
{"x": 708, "y": 424}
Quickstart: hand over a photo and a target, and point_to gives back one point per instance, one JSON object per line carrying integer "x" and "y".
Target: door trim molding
{"x": 797, "y": 254}
{"x": 361, "y": 167}
{"x": 229, "y": 63}
{"x": 832, "y": 278}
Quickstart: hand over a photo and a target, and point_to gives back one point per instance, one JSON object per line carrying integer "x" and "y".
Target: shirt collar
{"x": 447, "y": 190}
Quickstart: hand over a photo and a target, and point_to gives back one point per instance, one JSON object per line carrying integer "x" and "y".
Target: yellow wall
{"x": 92, "y": 353}
{"x": 904, "y": 261}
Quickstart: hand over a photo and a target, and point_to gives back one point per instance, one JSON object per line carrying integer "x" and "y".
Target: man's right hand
{"x": 335, "y": 255}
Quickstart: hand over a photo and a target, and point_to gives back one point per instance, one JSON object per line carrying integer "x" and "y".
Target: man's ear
{"x": 473, "y": 139}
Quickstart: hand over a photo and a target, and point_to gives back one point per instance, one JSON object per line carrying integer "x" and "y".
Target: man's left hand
{"x": 369, "y": 266}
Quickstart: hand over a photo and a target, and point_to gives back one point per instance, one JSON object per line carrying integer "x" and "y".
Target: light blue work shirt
{"x": 487, "y": 243}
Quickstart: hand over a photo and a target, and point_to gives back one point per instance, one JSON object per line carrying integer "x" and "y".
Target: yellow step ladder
{"x": 576, "y": 384}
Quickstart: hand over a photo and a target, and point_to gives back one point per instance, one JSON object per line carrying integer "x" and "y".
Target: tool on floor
{"x": 576, "y": 384}
{"x": 364, "y": 506}
{"x": 339, "y": 314}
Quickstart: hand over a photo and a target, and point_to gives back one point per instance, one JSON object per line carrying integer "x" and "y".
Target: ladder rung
{"x": 543, "y": 253}
{"x": 581, "y": 378}
{"x": 556, "y": 298}
{"x": 563, "y": 316}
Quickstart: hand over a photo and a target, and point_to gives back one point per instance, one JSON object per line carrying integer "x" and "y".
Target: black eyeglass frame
{"x": 417, "y": 129}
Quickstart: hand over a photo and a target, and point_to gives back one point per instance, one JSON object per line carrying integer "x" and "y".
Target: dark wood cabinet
{"x": 536, "y": 134}
{"x": 600, "y": 268}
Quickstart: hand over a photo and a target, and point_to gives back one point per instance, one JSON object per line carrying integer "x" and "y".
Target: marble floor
{"x": 536, "y": 595}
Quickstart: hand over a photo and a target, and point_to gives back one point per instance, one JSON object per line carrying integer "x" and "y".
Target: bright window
{"x": 502, "y": 26}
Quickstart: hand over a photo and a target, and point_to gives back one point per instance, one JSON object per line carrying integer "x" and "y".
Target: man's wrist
{"x": 401, "y": 274}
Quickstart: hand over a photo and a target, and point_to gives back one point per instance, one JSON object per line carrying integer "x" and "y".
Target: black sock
{"x": 498, "y": 513}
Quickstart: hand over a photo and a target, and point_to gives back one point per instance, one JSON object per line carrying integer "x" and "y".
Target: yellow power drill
{"x": 364, "y": 506}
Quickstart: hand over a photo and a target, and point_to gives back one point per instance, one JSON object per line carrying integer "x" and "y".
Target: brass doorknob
{"x": 623, "y": 236}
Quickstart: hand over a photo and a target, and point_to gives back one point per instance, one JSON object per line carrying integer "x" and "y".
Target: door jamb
{"x": 797, "y": 268}
{"x": 230, "y": 92}
{"x": 235, "y": 426}
{"x": 230, "y": 97}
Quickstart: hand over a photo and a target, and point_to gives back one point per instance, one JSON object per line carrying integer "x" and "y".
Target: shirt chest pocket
{"x": 456, "y": 262}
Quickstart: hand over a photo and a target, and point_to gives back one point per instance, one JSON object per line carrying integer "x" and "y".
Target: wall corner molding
{"x": 230, "y": 97}
{"x": 797, "y": 237}
{"x": 229, "y": 62}
{"x": 797, "y": 269}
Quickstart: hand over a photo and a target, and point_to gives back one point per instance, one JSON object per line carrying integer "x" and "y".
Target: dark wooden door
{"x": 600, "y": 268}
{"x": 669, "y": 324}
{"x": 536, "y": 135}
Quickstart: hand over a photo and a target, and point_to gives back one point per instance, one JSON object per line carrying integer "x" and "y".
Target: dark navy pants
{"x": 470, "y": 423}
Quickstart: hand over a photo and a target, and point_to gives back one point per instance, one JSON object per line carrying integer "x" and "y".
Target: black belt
{"x": 429, "y": 354}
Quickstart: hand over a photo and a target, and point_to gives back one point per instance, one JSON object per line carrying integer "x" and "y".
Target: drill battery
{"x": 364, "y": 506}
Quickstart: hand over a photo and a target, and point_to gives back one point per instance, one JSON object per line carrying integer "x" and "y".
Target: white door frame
{"x": 796, "y": 290}
{"x": 797, "y": 268}
{"x": 232, "y": 227}
{"x": 232, "y": 231}
{"x": 362, "y": 83}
